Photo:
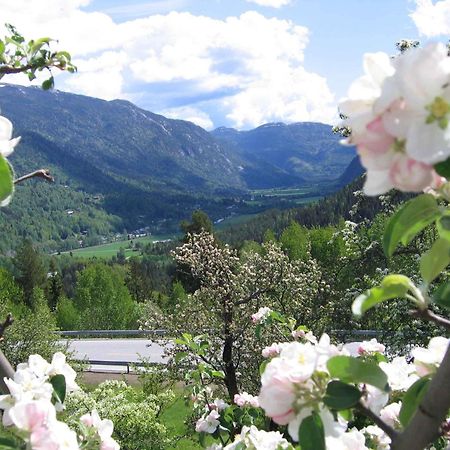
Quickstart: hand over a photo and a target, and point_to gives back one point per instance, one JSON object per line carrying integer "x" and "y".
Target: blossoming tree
{"x": 327, "y": 396}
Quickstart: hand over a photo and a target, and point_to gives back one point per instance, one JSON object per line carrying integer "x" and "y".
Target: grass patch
{"x": 173, "y": 418}
{"x": 107, "y": 251}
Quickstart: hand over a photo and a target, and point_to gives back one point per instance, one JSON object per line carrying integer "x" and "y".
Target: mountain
{"x": 118, "y": 167}
{"x": 292, "y": 154}
{"x": 353, "y": 170}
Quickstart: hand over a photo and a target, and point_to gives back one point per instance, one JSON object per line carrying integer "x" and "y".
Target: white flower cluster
{"x": 261, "y": 315}
{"x": 209, "y": 421}
{"x": 399, "y": 114}
{"x": 7, "y": 144}
{"x": 29, "y": 411}
{"x": 294, "y": 383}
{"x": 246, "y": 399}
{"x": 253, "y": 439}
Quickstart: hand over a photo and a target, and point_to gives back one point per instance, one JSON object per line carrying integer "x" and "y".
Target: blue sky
{"x": 235, "y": 63}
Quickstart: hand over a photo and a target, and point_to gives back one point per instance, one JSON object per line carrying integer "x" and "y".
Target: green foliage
{"x": 435, "y": 260}
{"x": 17, "y": 55}
{"x": 102, "y": 299}
{"x": 135, "y": 414}
{"x": 409, "y": 220}
{"x": 199, "y": 222}
{"x": 67, "y": 316}
{"x": 340, "y": 395}
{"x": 312, "y": 433}
{"x": 30, "y": 268}
{"x": 411, "y": 400}
{"x": 6, "y": 179}
{"x": 294, "y": 241}
{"x": 392, "y": 286}
{"x": 32, "y": 332}
{"x": 353, "y": 370}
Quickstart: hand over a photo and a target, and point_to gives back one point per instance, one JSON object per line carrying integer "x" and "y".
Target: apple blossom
{"x": 104, "y": 428}
{"x": 253, "y": 439}
{"x": 208, "y": 423}
{"x": 246, "y": 399}
{"x": 372, "y": 346}
{"x": 331, "y": 426}
{"x": 399, "y": 113}
{"x": 427, "y": 360}
{"x": 390, "y": 414}
{"x": 261, "y": 314}
{"x": 378, "y": 438}
{"x": 271, "y": 351}
{"x": 352, "y": 440}
{"x": 7, "y": 144}
{"x": 401, "y": 375}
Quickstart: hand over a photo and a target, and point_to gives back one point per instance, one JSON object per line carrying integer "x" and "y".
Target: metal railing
{"x": 107, "y": 333}
{"x": 100, "y": 362}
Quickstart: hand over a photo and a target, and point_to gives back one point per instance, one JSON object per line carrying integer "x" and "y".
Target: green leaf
{"x": 435, "y": 260}
{"x": 443, "y": 168}
{"x": 217, "y": 374}
{"x": 412, "y": 399}
{"x": 340, "y": 395}
{"x": 6, "y": 179}
{"x": 48, "y": 84}
{"x": 311, "y": 433}
{"x": 443, "y": 226}
{"x": 263, "y": 366}
{"x": 392, "y": 286}
{"x": 179, "y": 356}
{"x": 354, "y": 370}
{"x": 8, "y": 444}
{"x": 442, "y": 295}
{"x": 59, "y": 388}
{"x": 410, "y": 220}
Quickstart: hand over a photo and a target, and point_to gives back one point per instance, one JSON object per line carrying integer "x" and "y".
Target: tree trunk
{"x": 227, "y": 357}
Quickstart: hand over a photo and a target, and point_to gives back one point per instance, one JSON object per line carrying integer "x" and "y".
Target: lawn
{"x": 106, "y": 251}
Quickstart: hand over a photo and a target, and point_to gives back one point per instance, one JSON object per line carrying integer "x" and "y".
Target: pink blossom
{"x": 271, "y": 350}
{"x": 246, "y": 399}
{"x": 261, "y": 314}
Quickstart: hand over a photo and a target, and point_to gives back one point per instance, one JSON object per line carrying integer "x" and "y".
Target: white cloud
{"x": 250, "y": 69}
{"x": 271, "y": 3}
{"x": 191, "y": 114}
{"x": 432, "y": 19}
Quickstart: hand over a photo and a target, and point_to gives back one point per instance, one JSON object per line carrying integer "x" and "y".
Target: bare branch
{"x": 426, "y": 424}
{"x": 41, "y": 173}
{"x": 378, "y": 421}
{"x": 7, "y": 323}
{"x": 4, "y": 70}
{"x": 426, "y": 314}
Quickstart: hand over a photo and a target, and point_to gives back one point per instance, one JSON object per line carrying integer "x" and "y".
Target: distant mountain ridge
{"x": 137, "y": 168}
{"x": 299, "y": 152}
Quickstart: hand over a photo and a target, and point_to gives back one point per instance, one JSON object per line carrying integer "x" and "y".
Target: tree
{"x": 54, "y": 287}
{"x": 232, "y": 288}
{"x": 31, "y": 270}
{"x": 199, "y": 222}
{"x": 102, "y": 299}
{"x": 139, "y": 279}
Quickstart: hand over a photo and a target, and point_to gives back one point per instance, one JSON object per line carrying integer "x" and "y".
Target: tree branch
{"x": 41, "y": 173}
{"x": 378, "y": 421}
{"x": 425, "y": 425}
{"x": 4, "y": 70}
{"x": 426, "y": 314}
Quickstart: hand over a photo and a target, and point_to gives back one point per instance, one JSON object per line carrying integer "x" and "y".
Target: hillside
{"x": 294, "y": 153}
{"x": 118, "y": 167}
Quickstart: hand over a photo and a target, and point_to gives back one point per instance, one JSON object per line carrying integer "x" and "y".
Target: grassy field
{"x": 106, "y": 251}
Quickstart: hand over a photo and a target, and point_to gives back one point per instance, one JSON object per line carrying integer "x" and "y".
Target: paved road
{"x": 132, "y": 350}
